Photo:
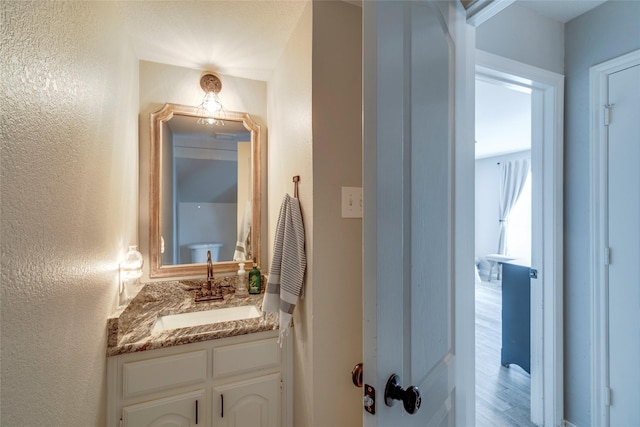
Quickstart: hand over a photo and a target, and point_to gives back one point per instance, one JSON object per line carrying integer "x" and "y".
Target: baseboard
{"x": 566, "y": 423}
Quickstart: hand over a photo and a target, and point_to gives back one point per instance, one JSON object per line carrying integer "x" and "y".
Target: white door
{"x": 418, "y": 249}
{"x": 624, "y": 244}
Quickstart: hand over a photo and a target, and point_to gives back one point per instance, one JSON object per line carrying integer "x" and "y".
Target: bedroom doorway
{"x": 503, "y": 151}
{"x": 546, "y": 103}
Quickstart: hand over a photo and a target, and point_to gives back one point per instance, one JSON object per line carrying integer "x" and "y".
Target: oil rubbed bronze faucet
{"x": 209, "y": 291}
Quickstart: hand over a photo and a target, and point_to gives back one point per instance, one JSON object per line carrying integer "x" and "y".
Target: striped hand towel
{"x": 288, "y": 264}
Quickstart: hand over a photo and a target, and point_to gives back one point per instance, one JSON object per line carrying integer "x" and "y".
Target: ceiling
{"x": 239, "y": 38}
{"x": 246, "y": 39}
{"x": 503, "y": 119}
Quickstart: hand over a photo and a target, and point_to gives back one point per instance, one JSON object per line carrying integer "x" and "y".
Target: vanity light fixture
{"x": 211, "y": 108}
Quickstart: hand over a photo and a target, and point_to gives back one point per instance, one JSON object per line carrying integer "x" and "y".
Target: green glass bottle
{"x": 254, "y": 279}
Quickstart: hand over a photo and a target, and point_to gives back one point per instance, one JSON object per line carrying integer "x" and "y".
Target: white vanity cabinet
{"x": 175, "y": 411}
{"x": 253, "y": 402}
{"x": 236, "y": 381}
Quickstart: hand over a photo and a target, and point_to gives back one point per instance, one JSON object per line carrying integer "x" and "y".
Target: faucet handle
{"x": 209, "y": 291}
{"x": 209, "y": 267}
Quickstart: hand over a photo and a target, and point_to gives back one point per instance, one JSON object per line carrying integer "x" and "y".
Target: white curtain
{"x": 514, "y": 175}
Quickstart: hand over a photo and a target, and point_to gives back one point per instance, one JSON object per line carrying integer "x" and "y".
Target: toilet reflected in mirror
{"x": 198, "y": 252}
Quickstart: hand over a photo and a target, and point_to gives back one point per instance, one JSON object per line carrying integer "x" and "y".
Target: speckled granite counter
{"x": 130, "y": 327}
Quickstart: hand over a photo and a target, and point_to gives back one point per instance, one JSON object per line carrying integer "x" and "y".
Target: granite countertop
{"x": 129, "y": 328}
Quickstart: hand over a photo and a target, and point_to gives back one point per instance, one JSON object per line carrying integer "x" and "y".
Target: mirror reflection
{"x": 205, "y": 180}
{"x": 209, "y": 186}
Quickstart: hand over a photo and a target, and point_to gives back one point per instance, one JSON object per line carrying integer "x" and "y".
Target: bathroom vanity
{"x": 227, "y": 373}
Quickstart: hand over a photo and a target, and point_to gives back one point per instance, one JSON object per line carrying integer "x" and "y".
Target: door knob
{"x": 356, "y": 375}
{"x": 410, "y": 397}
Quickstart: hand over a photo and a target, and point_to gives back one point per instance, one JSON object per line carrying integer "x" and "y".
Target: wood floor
{"x": 502, "y": 394}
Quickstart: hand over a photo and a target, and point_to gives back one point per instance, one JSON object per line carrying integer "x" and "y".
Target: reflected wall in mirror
{"x": 205, "y": 192}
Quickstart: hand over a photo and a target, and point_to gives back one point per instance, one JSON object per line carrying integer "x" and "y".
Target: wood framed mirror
{"x": 204, "y": 191}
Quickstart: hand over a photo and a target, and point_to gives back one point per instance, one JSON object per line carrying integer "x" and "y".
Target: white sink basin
{"x": 197, "y": 318}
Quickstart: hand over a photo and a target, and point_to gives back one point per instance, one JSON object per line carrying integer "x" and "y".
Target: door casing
{"x": 598, "y": 96}
{"x": 547, "y": 403}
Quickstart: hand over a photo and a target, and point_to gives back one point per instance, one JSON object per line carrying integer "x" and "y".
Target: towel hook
{"x": 296, "y": 179}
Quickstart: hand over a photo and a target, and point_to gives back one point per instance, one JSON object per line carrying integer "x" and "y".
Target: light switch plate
{"x": 351, "y": 202}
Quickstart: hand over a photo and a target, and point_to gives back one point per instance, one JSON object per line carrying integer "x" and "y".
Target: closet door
{"x": 624, "y": 243}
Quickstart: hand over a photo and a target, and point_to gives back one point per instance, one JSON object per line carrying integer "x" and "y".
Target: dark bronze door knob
{"x": 410, "y": 397}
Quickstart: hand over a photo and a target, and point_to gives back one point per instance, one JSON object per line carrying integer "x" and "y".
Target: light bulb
{"x": 211, "y": 103}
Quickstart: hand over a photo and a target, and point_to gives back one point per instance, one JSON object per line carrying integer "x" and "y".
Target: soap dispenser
{"x": 241, "y": 288}
{"x": 254, "y": 279}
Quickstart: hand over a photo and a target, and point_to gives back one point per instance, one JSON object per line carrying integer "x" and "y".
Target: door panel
{"x": 430, "y": 199}
{"x": 410, "y": 60}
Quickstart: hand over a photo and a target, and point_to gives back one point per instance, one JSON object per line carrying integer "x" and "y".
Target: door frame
{"x": 547, "y": 399}
{"x": 598, "y": 96}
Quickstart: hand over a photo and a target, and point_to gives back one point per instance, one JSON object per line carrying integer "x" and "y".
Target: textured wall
{"x": 604, "y": 33}
{"x": 337, "y": 247}
{"x": 290, "y": 153}
{"x": 69, "y": 199}
{"x": 315, "y": 120}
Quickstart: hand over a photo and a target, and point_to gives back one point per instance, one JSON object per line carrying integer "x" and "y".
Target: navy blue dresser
{"x": 516, "y": 316}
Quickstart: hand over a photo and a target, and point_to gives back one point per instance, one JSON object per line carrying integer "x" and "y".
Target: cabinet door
{"x": 183, "y": 410}
{"x": 251, "y": 403}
